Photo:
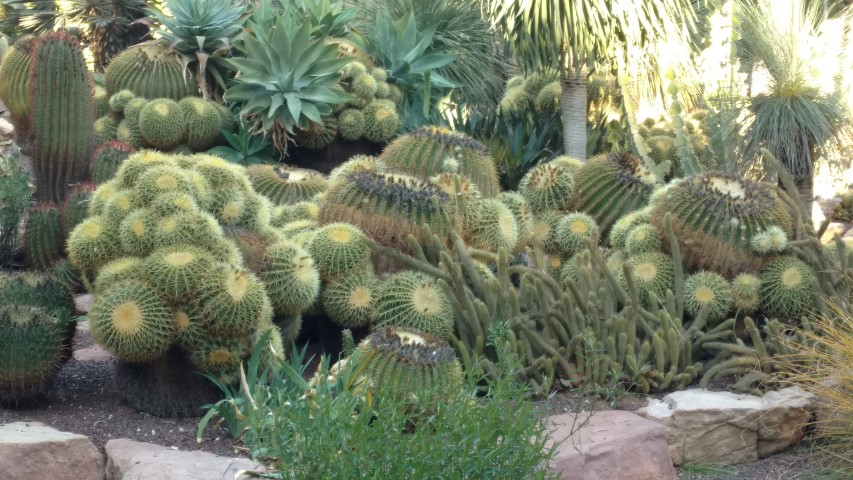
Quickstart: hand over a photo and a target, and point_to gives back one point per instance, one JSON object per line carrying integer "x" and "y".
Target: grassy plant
{"x": 822, "y": 366}
{"x": 331, "y": 424}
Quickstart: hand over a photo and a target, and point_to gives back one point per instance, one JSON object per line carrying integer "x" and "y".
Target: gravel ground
{"x": 83, "y": 400}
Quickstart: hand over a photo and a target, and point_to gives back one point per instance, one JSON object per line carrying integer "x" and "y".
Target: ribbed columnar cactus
{"x": 14, "y": 80}
{"x": 43, "y": 237}
{"x": 63, "y": 113}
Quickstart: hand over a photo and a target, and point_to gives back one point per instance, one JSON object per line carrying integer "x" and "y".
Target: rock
{"x": 92, "y": 354}
{"x": 84, "y": 302}
{"x": 34, "y": 451}
{"x": 6, "y": 128}
{"x": 610, "y": 445}
{"x": 131, "y": 460}
{"x": 725, "y": 428}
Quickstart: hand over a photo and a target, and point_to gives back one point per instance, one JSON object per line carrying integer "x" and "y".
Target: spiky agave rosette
{"x": 177, "y": 247}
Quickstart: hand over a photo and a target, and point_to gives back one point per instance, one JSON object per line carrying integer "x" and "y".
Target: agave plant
{"x": 202, "y": 31}
{"x": 460, "y": 30}
{"x": 412, "y": 64}
{"x": 287, "y": 79}
{"x": 244, "y": 148}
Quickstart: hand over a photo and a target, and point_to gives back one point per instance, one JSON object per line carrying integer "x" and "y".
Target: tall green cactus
{"x": 43, "y": 237}
{"x": 63, "y": 113}
{"x": 14, "y": 78}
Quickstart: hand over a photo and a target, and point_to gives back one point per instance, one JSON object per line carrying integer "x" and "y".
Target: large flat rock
{"x": 726, "y": 428}
{"x": 131, "y": 460}
{"x": 610, "y": 445}
{"x": 34, "y": 451}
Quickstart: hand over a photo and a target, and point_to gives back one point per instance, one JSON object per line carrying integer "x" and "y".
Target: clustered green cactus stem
{"x": 597, "y": 331}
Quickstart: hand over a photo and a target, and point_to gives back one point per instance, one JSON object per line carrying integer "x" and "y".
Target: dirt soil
{"x": 83, "y": 400}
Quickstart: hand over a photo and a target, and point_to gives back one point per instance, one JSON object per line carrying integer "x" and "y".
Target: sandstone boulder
{"x": 727, "y": 428}
{"x": 34, "y": 451}
{"x": 610, "y": 445}
{"x": 131, "y": 460}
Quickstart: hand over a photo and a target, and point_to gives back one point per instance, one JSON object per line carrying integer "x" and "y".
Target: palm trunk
{"x": 573, "y": 113}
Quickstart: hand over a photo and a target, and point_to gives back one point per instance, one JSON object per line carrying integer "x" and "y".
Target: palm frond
{"x": 794, "y": 117}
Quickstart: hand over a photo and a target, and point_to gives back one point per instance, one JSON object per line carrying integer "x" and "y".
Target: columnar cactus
{"x": 63, "y": 113}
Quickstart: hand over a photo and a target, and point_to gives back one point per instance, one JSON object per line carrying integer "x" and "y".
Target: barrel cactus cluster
{"x": 371, "y": 114}
{"x": 186, "y": 125}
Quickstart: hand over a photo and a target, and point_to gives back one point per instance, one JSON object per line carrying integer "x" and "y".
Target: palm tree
{"x": 112, "y": 25}
{"x": 574, "y": 35}
{"x": 794, "y": 117}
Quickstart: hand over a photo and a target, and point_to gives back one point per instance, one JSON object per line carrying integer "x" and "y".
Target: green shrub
{"x": 385, "y": 436}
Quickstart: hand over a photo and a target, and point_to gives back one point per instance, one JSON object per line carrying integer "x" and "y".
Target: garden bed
{"x": 83, "y": 400}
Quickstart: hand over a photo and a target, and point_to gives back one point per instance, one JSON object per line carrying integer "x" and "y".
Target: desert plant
{"x": 112, "y": 26}
{"x": 14, "y": 81}
{"x": 407, "y": 54}
{"x": 397, "y": 205}
{"x": 62, "y": 137}
{"x": 149, "y": 70}
{"x": 612, "y": 185}
{"x": 43, "y": 236}
{"x": 202, "y": 32}
{"x": 284, "y": 185}
{"x": 460, "y": 31}
{"x": 429, "y": 151}
{"x": 107, "y": 158}
{"x": 794, "y": 119}
{"x": 33, "y": 351}
{"x": 715, "y": 217}
{"x": 244, "y": 148}
{"x": 15, "y": 197}
{"x": 280, "y": 52}
{"x": 169, "y": 243}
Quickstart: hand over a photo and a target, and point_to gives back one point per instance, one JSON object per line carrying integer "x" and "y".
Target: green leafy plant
{"x": 287, "y": 79}
{"x": 299, "y": 426}
{"x": 411, "y": 61}
{"x": 461, "y": 31}
{"x": 244, "y": 148}
{"x": 330, "y": 18}
{"x": 202, "y": 31}
{"x": 112, "y": 25}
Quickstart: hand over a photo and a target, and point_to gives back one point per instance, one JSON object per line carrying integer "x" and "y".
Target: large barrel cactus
{"x": 715, "y": 217}
{"x": 610, "y": 186}
{"x": 63, "y": 113}
{"x": 429, "y": 151}
{"x": 388, "y": 207}
{"x": 149, "y": 70}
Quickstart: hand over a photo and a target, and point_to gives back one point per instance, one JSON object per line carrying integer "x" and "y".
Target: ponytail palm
{"x": 794, "y": 117}
{"x": 574, "y": 35}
